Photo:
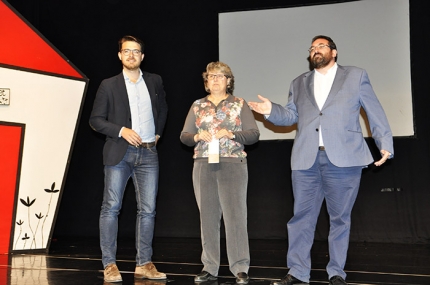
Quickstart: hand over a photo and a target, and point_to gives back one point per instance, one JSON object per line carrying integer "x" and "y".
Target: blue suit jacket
{"x": 339, "y": 119}
{"x": 111, "y": 112}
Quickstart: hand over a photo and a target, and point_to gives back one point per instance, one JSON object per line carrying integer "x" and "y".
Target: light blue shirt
{"x": 142, "y": 119}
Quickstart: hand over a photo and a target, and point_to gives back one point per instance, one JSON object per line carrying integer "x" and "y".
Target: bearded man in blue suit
{"x": 328, "y": 155}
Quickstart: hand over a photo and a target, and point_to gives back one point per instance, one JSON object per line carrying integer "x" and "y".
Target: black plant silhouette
{"x": 28, "y": 205}
{"x": 19, "y": 223}
{"x": 39, "y": 217}
{"x": 51, "y": 191}
{"x": 25, "y": 238}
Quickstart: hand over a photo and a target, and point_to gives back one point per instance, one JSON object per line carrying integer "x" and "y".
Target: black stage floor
{"x": 77, "y": 261}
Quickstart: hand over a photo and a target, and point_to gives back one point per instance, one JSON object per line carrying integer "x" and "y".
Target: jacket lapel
{"x": 308, "y": 82}
{"x": 152, "y": 92}
{"x": 149, "y": 83}
{"x": 338, "y": 81}
{"x": 122, "y": 91}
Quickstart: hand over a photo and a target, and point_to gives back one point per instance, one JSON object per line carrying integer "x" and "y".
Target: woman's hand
{"x": 203, "y": 136}
{"x": 224, "y": 133}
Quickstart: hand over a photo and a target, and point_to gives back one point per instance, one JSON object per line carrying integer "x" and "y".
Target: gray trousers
{"x": 221, "y": 190}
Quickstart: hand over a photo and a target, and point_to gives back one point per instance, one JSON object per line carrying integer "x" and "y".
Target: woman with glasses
{"x": 218, "y": 126}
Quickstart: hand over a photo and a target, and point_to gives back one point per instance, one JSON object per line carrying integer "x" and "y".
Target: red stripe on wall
{"x": 10, "y": 140}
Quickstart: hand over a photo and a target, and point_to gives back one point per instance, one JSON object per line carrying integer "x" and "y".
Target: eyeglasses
{"x": 218, "y": 76}
{"x": 320, "y": 46}
{"x": 128, "y": 51}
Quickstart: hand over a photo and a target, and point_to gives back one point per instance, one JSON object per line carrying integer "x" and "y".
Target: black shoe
{"x": 337, "y": 280}
{"x": 288, "y": 280}
{"x": 242, "y": 278}
{"x": 204, "y": 276}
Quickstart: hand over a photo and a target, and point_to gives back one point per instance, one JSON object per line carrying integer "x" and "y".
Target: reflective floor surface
{"x": 74, "y": 261}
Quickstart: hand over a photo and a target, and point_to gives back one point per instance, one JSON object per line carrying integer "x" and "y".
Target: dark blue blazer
{"x": 111, "y": 112}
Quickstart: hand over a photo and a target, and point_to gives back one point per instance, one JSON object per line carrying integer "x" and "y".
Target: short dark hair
{"x": 331, "y": 43}
{"x": 131, "y": 39}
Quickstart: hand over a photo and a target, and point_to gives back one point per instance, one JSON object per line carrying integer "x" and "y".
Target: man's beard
{"x": 320, "y": 62}
{"x": 131, "y": 65}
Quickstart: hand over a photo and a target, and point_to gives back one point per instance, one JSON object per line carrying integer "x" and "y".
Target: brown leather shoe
{"x": 148, "y": 271}
{"x": 111, "y": 273}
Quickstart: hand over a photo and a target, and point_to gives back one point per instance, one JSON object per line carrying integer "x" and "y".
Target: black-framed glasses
{"x": 218, "y": 76}
{"x": 320, "y": 46}
{"x": 128, "y": 51}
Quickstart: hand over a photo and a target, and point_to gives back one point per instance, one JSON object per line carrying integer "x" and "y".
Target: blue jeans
{"x": 141, "y": 164}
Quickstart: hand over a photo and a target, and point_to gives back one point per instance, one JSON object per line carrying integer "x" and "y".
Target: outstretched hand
{"x": 385, "y": 155}
{"x": 264, "y": 107}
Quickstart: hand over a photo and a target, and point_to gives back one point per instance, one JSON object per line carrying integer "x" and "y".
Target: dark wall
{"x": 181, "y": 38}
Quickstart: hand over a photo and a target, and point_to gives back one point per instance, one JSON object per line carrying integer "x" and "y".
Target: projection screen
{"x": 267, "y": 49}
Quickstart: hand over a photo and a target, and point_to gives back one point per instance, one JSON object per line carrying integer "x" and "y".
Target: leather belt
{"x": 146, "y": 144}
{"x": 321, "y": 148}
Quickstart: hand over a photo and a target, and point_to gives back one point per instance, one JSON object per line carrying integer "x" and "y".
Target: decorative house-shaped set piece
{"x": 41, "y": 97}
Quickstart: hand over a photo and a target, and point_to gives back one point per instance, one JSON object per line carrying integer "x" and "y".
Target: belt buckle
{"x": 147, "y": 145}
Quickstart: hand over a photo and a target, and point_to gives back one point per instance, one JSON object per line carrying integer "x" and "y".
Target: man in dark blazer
{"x": 131, "y": 110}
{"x": 328, "y": 155}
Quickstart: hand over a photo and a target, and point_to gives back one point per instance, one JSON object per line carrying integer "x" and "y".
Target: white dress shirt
{"x": 322, "y": 86}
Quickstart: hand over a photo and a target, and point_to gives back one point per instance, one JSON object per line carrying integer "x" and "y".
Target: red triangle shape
{"x": 23, "y": 47}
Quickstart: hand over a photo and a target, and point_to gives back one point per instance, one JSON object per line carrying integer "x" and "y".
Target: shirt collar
{"x": 229, "y": 98}
{"x": 127, "y": 79}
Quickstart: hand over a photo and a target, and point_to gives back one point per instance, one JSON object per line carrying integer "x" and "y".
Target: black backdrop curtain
{"x": 181, "y": 38}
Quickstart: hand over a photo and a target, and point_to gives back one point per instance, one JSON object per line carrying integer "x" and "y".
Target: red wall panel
{"x": 10, "y": 144}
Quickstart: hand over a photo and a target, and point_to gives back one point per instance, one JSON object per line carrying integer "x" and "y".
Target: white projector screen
{"x": 267, "y": 49}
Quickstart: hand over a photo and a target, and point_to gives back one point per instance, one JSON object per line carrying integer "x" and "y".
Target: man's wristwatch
{"x": 233, "y": 137}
